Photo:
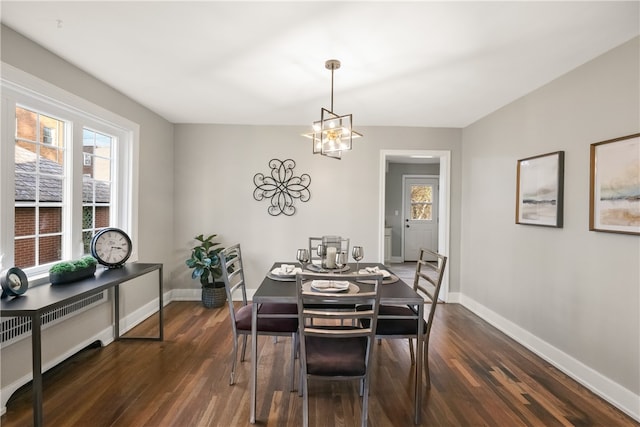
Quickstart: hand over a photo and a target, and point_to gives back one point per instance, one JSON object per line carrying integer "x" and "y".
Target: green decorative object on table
{"x": 206, "y": 267}
{"x": 71, "y": 271}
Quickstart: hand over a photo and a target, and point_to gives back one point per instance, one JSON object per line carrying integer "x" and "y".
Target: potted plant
{"x": 206, "y": 267}
{"x": 71, "y": 271}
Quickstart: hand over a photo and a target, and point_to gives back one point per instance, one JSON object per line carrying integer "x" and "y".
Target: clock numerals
{"x": 112, "y": 247}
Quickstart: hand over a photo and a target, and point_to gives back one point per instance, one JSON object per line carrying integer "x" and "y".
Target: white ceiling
{"x": 442, "y": 64}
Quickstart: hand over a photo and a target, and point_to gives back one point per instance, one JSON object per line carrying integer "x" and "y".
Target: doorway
{"x": 443, "y": 159}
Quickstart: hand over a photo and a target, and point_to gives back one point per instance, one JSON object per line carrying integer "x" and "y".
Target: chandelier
{"x": 333, "y": 133}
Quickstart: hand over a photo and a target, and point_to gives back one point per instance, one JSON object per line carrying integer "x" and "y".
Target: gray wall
{"x": 573, "y": 293}
{"x": 215, "y": 165}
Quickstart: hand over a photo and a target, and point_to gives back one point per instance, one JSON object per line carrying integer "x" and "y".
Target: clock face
{"x": 14, "y": 282}
{"x": 111, "y": 247}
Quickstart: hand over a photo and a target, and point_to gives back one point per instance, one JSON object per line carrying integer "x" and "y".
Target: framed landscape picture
{"x": 539, "y": 192}
{"x": 614, "y": 202}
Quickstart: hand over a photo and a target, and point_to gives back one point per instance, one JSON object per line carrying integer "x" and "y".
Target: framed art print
{"x": 614, "y": 202}
{"x": 539, "y": 191}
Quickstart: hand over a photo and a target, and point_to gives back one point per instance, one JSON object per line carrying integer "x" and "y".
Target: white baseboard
{"x": 454, "y": 297}
{"x": 612, "y": 392}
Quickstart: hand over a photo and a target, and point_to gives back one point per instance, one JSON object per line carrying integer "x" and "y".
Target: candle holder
{"x": 323, "y": 251}
{"x": 333, "y": 245}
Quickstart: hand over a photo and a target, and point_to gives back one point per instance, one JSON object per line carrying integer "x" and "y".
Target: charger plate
{"x": 319, "y": 269}
{"x": 385, "y": 281}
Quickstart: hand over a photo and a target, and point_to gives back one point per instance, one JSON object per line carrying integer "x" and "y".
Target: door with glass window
{"x": 420, "y": 216}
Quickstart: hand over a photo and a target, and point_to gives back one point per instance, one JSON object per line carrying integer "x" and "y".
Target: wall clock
{"x": 14, "y": 282}
{"x": 111, "y": 247}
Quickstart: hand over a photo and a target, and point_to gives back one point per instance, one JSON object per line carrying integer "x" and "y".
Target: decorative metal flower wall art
{"x": 282, "y": 188}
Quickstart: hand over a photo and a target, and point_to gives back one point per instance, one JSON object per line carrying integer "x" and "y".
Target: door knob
{"x": 407, "y": 225}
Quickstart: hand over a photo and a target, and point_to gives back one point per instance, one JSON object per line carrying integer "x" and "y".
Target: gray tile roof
{"x": 51, "y": 183}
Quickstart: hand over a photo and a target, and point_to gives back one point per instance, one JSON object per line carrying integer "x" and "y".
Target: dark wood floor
{"x": 479, "y": 378}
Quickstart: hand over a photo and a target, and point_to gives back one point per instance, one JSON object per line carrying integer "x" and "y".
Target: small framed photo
{"x": 539, "y": 191}
{"x": 614, "y": 202}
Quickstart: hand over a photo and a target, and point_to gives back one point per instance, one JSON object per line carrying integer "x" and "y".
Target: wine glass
{"x": 341, "y": 259}
{"x": 303, "y": 257}
{"x": 357, "y": 253}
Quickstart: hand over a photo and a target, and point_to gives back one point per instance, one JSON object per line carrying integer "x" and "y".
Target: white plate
{"x": 376, "y": 270}
{"x": 330, "y": 285}
{"x": 286, "y": 273}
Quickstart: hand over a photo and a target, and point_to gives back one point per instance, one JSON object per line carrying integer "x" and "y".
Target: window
{"x": 421, "y": 202}
{"x": 70, "y": 173}
{"x": 39, "y": 176}
{"x": 96, "y": 183}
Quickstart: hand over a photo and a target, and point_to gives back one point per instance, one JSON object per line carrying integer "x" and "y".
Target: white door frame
{"x": 444, "y": 204}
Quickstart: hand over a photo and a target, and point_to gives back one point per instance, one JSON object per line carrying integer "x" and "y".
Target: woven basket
{"x": 213, "y": 297}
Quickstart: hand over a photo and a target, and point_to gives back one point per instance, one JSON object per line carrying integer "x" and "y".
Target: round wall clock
{"x": 14, "y": 282}
{"x": 111, "y": 247}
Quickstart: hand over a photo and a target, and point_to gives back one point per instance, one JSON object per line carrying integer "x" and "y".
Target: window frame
{"x": 22, "y": 89}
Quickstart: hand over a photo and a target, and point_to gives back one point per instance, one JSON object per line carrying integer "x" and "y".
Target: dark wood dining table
{"x": 282, "y": 290}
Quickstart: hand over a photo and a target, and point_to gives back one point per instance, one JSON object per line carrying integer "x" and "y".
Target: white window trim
{"x": 23, "y": 88}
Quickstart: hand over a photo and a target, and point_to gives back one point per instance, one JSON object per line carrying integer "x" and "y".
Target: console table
{"x": 44, "y": 298}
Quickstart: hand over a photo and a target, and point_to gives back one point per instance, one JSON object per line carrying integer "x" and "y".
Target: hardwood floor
{"x": 479, "y": 378}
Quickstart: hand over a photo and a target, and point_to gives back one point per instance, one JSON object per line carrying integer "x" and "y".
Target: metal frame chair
{"x": 400, "y": 321}
{"x": 328, "y": 350}
{"x": 233, "y": 276}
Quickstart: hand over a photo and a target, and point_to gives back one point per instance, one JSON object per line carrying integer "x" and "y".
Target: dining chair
{"x": 400, "y": 321}
{"x": 328, "y": 349}
{"x": 234, "y": 281}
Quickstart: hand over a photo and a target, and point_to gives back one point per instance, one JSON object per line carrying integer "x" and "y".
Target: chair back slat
{"x": 436, "y": 268}
{"x": 428, "y": 276}
{"x": 233, "y": 277}
{"x": 337, "y": 308}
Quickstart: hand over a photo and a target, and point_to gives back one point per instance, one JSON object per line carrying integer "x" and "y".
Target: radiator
{"x": 13, "y": 329}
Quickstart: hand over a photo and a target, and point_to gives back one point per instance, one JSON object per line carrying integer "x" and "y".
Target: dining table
{"x": 282, "y": 289}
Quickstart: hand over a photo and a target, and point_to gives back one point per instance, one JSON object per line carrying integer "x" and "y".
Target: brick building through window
{"x": 39, "y": 197}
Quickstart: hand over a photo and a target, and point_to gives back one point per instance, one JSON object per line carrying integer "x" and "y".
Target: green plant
{"x": 205, "y": 261}
{"x": 86, "y": 261}
{"x": 69, "y": 266}
{"x": 62, "y": 267}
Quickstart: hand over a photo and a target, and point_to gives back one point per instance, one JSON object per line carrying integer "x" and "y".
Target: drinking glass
{"x": 357, "y": 253}
{"x": 341, "y": 259}
{"x": 303, "y": 257}
{"x": 321, "y": 250}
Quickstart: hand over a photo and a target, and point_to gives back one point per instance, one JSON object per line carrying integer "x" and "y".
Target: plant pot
{"x": 72, "y": 276}
{"x": 214, "y": 296}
